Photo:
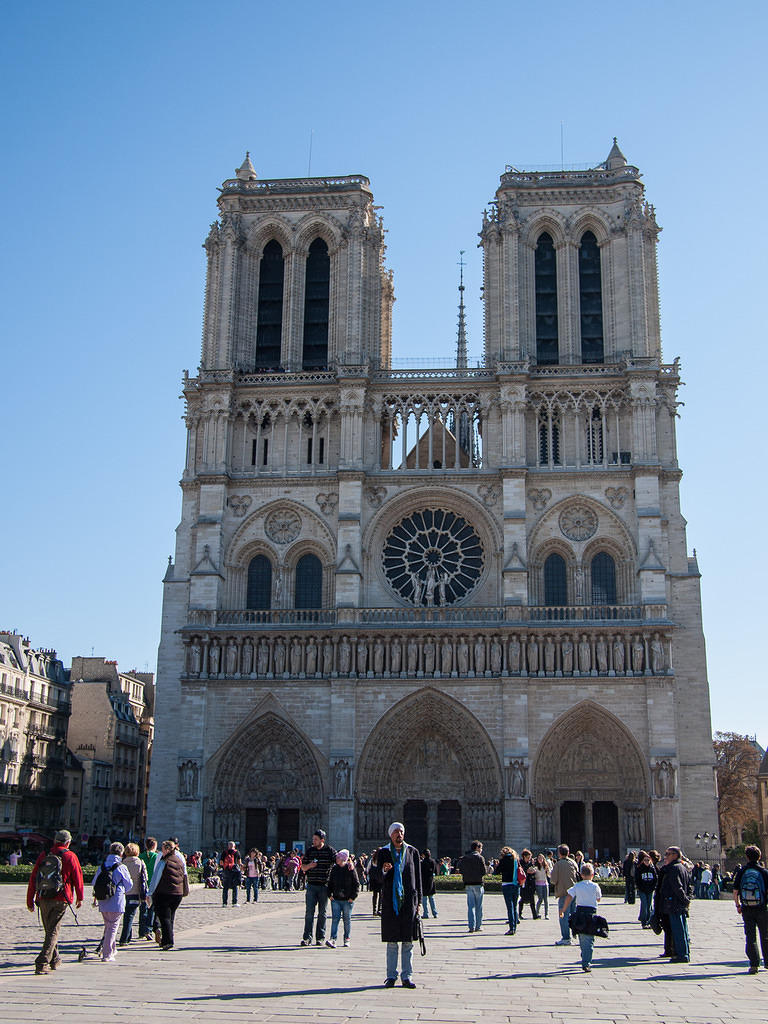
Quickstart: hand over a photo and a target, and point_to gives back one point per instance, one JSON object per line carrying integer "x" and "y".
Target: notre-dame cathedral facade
{"x": 461, "y": 597}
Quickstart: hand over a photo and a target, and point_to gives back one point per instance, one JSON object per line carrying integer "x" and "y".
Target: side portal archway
{"x": 266, "y": 786}
{"x": 431, "y": 764}
{"x": 590, "y": 785}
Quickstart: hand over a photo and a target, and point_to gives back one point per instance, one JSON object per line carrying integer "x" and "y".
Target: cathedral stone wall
{"x": 459, "y": 597}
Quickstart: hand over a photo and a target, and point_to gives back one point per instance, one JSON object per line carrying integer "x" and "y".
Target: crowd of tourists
{"x": 149, "y": 885}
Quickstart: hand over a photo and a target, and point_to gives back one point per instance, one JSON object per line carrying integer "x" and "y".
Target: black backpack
{"x": 49, "y": 881}
{"x": 104, "y": 888}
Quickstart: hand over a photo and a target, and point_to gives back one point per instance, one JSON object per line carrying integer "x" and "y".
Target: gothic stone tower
{"x": 461, "y": 598}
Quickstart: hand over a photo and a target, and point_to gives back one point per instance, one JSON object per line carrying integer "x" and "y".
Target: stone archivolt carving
{"x": 432, "y": 557}
{"x": 282, "y": 525}
{"x": 588, "y": 654}
{"x": 239, "y": 504}
{"x": 489, "y": 494}
{"x": 578, "y": 522}
{"x": 375, "y": 496}
{"x": 266, "y": 763}
{"x": 539, "y": 498}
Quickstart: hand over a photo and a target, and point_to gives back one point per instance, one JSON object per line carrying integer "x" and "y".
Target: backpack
{"x": 752, "y": 888}
{"x": 228, "y": 860}
{"x": 49, "y": 881}
{"x": 104, "y": 888}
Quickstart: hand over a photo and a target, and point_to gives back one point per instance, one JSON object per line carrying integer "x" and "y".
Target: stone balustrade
{"x": 631, "y": 652}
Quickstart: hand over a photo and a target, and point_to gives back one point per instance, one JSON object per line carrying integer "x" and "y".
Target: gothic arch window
{"x": 269, "y": 323}
{"x": 555, "y": 581}
{"x": 594, "y": 436}
{"x": 316, "y": 293}
{"x": 309, "y": 582}
{"x": 603, "y": 573}
{"x": 549, "y": 438}
{"x": 545, "y": 273}
{"x": 259, "y": 593}
{"x": 590, "y": 300}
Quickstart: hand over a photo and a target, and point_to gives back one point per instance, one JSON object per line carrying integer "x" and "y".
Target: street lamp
{"x": 707, "y": 841}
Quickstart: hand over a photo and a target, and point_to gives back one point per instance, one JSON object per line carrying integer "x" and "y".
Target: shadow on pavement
{"x": 334, "y": 991}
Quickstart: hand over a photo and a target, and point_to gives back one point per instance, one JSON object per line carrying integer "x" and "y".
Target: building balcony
{"x": 469, "y": 615}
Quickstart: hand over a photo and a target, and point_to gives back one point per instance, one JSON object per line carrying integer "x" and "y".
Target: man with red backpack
{"x": 56, "y": 880}
{"x": 231, "y": 873}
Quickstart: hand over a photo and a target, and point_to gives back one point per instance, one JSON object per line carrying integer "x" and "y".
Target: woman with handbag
{"x": 510, "y": 871}
{"x": 168, "y": 887}
{"x": 528, "y": 887}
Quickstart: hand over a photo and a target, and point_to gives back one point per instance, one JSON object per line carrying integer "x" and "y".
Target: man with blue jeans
{"x": 473, "y": 869}
{"x": 564, "y": 874}
{"x": 316, "y": 865}
{"x": 673, "y": 900}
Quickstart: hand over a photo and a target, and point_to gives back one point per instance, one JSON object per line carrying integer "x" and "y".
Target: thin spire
{"x": 461, "y": 342}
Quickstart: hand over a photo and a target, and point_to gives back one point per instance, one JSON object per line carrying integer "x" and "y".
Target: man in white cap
{"x": 400, "y": 903}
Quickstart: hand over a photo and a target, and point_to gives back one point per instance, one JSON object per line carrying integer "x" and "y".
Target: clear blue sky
{"x": 120, "y": 121}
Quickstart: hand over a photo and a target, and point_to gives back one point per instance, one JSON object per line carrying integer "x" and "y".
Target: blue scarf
{"x": 398, "y": 893}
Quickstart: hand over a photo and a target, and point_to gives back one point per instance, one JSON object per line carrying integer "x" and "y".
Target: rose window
{"x": 432, "y": 557}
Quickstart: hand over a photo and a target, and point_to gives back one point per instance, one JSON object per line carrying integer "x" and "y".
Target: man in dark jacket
{"x": 53, "y": 905}
{"x": 316, "y": 865}
{"x": 750, "y": 893}
{"x": 231, "y": 873}
{"x": 473, "y": 869}
{"x": 400, "y": 902}
{"x": 673, "y": 900}
{"x": 428, "y": 872}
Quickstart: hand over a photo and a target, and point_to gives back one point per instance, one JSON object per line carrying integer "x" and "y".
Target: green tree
{"x": 737, "y": 764}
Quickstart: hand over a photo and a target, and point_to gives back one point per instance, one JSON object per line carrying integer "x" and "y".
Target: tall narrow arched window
{"x": 555, "y": 581}
{"x": 316, "y": 291}
{"x": 269, "y": 323}
{"x": 309, "y": 582}
{"x": 259, "y": 593}
{"x": 545, "y": 272}
{"x": 603, "y": 579}
{"x": 590, "y": 300}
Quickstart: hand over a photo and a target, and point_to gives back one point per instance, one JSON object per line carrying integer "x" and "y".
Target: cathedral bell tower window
{"x": 603, "y": 571}
{"x": 259, "y": 593}
{"x": 316, "y": 292}
{"x": 545, "y": 271}
{"x": 269, "y": 325}
{"x": 555, "y": 582}
{"x": 590, "y": 300}
{"x": 309, "y": 582}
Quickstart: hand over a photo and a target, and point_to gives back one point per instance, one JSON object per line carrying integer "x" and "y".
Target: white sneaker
{"x": 330, "y": 943}
{"x": 346, "y": 943}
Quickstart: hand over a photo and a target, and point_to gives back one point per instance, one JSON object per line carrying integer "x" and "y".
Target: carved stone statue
{"x": 479, "y": 653}
{"x": 262, "y": 658}
{"x": 188, "y": 773}
{"x": 430, "y": 584}
{"x": 378, "y": 656}
{"x": 446, "y": 657}
{"x": 362, "y": 657}
{"x": 327, "y": 657}
{"x": 517, "y": 779}
{"x": 416, "y": 585}
{"x": 193, "y": 655}
{"x": 341, "y": 777}
{"x": 664, "y": 779}
{"x": 295, "y": 657}
{"x": 618, "y": 656}
{"x": 395, "y": 656}
{"x": 278, "y": 654}
{"x": 532, "y": 652}
{"x": 231, "y": 658}
{"x": 247, "y": 665}
{"x": 585, "y": 655}
{"x": 345, "y": 654}
{"x": 567, "y": 655}
{"x": 658, "y": 661}
{"x": 429, "y": 656}
{"x": 413, "y": 655}
{"x": 462, "y": 656}
{"x": 513, "y": 655}
{"x": 549, "y": 654}
{"x": 441, "y": 585}
{"x": 601, "y": 655}
{"x": 310, "y": 666}
{"x": 637, "y": 654}
{"x": 214, "y": 658}
{"x": 496, "y": 656}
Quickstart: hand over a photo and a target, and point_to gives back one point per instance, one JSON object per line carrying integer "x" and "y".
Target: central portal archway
{"x": 431, "y": 764}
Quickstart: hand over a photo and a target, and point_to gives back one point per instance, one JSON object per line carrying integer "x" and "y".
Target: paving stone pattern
{"x": 245, "y": 964}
